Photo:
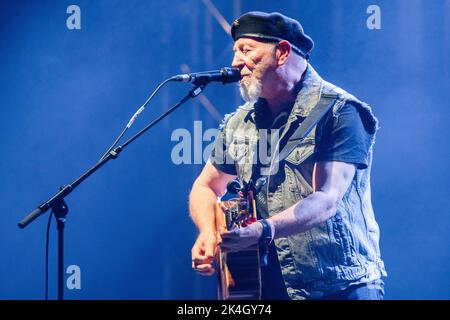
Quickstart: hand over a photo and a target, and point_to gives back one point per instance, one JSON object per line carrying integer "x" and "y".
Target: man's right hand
{"x": 203, "y": 253}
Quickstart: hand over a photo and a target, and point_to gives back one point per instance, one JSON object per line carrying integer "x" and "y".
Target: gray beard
{"x": 252, "y": 91}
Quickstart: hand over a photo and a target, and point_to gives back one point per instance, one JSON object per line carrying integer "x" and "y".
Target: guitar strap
{"x": 325, "y": 103}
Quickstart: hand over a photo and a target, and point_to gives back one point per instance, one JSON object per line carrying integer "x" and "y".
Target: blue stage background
{"x": 66, "y": 94}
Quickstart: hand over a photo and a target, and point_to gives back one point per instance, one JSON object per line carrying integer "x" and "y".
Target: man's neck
{"x": 282, "y": 91}
{"x": 282, "y": 97}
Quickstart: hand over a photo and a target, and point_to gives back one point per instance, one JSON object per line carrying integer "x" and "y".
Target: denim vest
{"x": 340, "y": 252}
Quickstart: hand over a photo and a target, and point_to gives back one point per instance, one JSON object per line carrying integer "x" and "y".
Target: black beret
{"x": 273, "y": 27}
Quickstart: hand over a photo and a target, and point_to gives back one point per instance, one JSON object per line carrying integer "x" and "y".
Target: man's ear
{"x": 283, "y": 51}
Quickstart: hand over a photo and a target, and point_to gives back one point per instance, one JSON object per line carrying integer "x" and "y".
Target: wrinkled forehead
{"x": 254, "y": 42}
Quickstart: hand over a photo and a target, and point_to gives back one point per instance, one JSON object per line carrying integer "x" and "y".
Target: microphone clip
{"x": 224, "y": 75}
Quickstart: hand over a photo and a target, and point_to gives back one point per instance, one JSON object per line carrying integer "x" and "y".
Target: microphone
{"x": 224, "y": 75}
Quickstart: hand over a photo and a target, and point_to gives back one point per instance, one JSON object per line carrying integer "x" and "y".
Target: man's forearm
{"x": 202, "y": 202}
{"x": 304, "y": 215}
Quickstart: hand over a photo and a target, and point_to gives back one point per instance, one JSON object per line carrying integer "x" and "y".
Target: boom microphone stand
{"x": 59, "y": 206}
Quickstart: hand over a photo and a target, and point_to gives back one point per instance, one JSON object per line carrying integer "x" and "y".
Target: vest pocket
{"x": 238, "y": 149}
{"x": 302, "y": 151}
{"x": 343, "y": 245}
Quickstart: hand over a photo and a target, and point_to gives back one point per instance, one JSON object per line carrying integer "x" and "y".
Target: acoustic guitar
{"x": 239, "y": 273}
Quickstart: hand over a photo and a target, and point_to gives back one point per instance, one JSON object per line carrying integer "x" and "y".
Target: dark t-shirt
{"x": 343, "y": 138}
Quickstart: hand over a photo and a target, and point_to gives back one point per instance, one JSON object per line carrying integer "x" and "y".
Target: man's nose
{"x": 237, "y": 61}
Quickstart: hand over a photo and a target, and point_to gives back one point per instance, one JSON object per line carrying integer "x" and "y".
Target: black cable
{"x": 135, "y": 116}
{"x": 46, "y": 253}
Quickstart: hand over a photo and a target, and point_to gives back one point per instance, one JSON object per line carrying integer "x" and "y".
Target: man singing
{"x": 316, "y": 206}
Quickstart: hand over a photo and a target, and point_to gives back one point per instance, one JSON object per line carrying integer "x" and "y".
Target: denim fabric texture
{"x": 342, "y": 252}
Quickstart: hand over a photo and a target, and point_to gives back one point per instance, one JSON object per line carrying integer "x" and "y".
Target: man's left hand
{"x": 241, "y": 238}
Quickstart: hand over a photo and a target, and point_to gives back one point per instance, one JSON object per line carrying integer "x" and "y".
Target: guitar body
{"x": 239, "y": 273}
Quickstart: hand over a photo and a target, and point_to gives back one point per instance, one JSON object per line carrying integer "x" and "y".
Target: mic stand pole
{"x": 57, "y": 203}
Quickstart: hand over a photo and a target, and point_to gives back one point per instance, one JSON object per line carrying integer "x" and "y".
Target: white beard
{"x": 251, "y": 90}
